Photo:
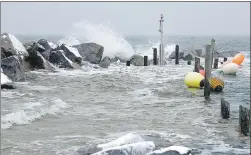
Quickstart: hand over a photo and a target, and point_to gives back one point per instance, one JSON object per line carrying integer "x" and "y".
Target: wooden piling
{"x": 145, "y": 60}
{"x": 207, "y": 71}
{"x": 197, "y": 64}
{"x": 128, "y": 63}
{"x": 244, "y": 120}
{"x": 216, "y": 61}
{"x": 225, "y": 59}
{"x": 177, "y": 54}
{"x": 225, "y": 109}
{"x": 212, "y": 53}
{"x": 189, "y": 62}
{"x": 160, "y": 55}
{"x": 155, "y": 59}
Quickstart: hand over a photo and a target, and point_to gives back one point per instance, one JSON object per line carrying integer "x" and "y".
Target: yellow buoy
{"x": 194, "y": 80}
{"x": 216, "y": 83}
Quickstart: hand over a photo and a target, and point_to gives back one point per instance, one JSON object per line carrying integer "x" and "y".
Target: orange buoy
{"x": 202, "y": 72}
{"x": 238, "y": 58}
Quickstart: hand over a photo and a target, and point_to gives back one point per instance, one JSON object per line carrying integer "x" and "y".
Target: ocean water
{"x": 60, "y": 112}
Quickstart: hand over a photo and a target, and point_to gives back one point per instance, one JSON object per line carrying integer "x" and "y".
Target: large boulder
{"x": 105, "y": 62}
{"x": 13, "y": 68}
{"x": 72, "y": 53}
{"x": 116, "y": 59}
{"x": 58, "y": 58}
{"x": 188, "y": 56}
{"x": 37, "y": 61}
{"x": 48, "y": 44}
{"x": 137, "y": 60}
{"x": 46, "y": 54}
{"x": 10, "y": 45}
{"x": 91, "y": 52}
{"x": 34, "y": 47}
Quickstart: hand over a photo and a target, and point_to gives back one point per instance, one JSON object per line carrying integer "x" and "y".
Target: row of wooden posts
{"x": 155, "y": 59}
{"x": 244, "y": 116}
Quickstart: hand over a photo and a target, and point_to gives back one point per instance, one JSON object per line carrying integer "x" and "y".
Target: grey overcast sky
{"x": 128, "y": 18}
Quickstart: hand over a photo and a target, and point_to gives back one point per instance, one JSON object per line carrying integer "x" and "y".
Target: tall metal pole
{"x": 161, "y": 40}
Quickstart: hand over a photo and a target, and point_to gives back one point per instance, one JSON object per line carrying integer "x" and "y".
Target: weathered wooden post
{"x": 145, "y": 60}
{"x": 225, "y": 109}
{"x": 197, "y": 64}
{"x": 155, "y": 59}
{"x": 128, "y": 63}
{"x": 225, "y": 59}
{"x": 160, "y": 54}
{"x": 208, "y": 71}
{"x": 244, "y": 120}
{"x": 213, "y": 52}
{"x": 189, "y": 62}
{"x": 177, "y": 54}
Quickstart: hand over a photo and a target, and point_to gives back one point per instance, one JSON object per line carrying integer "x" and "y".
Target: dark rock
{"x": 33, "y": 46}
{"x": 72, "y": 53}
{"x": 173, "y": 151}
{"x": 13, "y": 68}
{"x": 88, "y": 150}
{"x": 91, "y": 52}
{"x": 105, "y": 62}
{"x": 37, "y": 61}
{"x": 7, "y": 86}
{"x": 116, "y": 58}
{"x": 10, "y": 45}
{"x": 172, "y": 55}
{"x": 47, "y": 44}
{"x": 188, "y": 55}
{"x": 58, "y": 58}
{"x": 137, "y": 60}
{"x": 46, "y": 54}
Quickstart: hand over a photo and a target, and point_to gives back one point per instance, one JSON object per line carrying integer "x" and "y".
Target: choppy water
{"x": 58, "y": 113}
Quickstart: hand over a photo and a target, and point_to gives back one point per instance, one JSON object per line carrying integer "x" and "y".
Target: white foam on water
{"x": 17, "y": 44}
{"x": 140, "y": 148}
{"x": 31, "y": 112}
{"x": 70, "y": 136}
{"x": 126, "y": 139}
{"x": 36, "y": 87}
{"x": 222, "y": 147}
{"x": 4, "y": 79}
{"x": 13, "y": 94}
{"x": 114, "y": 44}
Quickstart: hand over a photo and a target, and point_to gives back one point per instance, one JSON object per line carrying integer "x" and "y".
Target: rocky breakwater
{"x": 18, "y": 58}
